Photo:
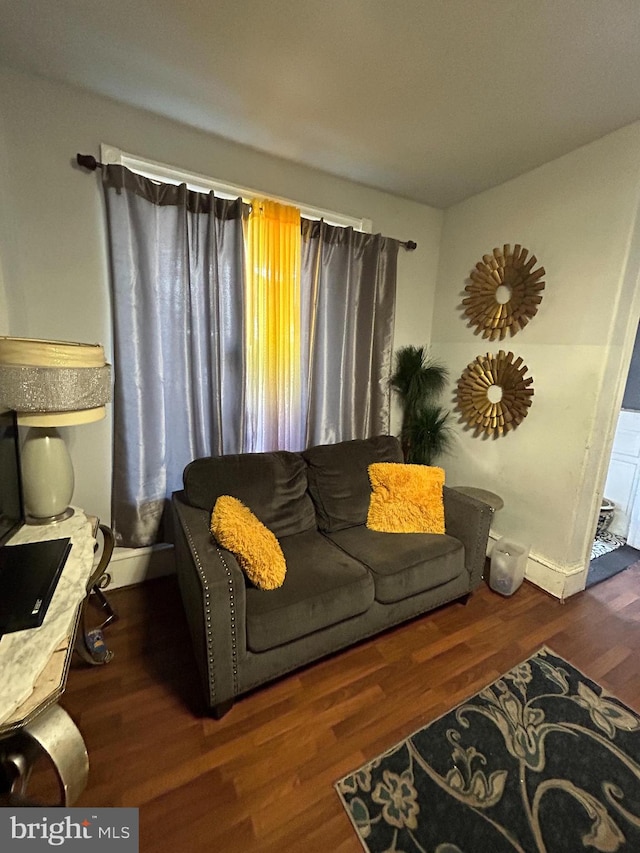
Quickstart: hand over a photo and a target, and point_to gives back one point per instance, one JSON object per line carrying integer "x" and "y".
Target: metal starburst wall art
{"x": 504, "y": 292}
{"x": 494, "y": 394}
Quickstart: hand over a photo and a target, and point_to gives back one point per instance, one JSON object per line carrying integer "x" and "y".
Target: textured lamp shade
{"x": 51, "y": 384}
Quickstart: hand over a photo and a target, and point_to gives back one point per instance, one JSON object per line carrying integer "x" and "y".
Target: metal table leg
{"x": 90, "y": 644}
{"x": 54, "y": 733}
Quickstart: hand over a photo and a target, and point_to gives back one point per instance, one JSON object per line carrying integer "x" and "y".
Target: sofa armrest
{"x": 468, "y": 520}
{"x": 213, "y": 595}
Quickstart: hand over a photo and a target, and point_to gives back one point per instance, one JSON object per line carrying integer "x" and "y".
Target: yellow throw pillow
{"x": 255, "y": 547}
{"x": 405, "y": 498}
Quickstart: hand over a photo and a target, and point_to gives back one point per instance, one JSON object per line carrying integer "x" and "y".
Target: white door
{"x": 623, "y": 478}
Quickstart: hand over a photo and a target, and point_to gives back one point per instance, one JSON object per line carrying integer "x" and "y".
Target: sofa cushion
{"x": 272, "y": 485}
{"x": 323, "y": 586}
{"x": 339, "y": 478}
{"x": 255, "y": 547}
{"x": 403, "y": 564}
{"x": 406, "y": 498}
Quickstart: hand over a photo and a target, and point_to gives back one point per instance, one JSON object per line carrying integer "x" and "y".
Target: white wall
{"x": 577, "y": 215}
{"x": 53, "y": 260}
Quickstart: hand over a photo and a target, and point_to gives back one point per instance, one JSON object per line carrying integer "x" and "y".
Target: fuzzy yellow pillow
{"x": 255, "y": 547}
{"x": 405, "y": 498}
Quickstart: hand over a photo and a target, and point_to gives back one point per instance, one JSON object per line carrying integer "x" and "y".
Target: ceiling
{"x": 433, "y": 100}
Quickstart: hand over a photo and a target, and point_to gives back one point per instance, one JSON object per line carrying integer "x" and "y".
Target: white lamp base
{"x": 47, "y": 476}
{"x": 50, "y": 519}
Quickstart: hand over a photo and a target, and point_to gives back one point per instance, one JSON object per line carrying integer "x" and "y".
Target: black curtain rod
{"x": 88, "y": 161}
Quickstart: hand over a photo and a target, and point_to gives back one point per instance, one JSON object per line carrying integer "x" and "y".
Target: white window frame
{"x": 111, "y": 154}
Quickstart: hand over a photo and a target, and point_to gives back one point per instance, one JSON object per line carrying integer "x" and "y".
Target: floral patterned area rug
{"x": 541, "y": 761}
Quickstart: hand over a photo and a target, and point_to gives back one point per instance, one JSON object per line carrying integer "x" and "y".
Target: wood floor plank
{"x": 261, "y": 779}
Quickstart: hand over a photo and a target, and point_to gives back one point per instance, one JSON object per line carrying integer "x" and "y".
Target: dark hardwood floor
{"x": 261, "y": 779}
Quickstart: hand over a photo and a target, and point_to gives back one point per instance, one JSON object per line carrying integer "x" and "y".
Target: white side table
{"x": 34, "y": 665}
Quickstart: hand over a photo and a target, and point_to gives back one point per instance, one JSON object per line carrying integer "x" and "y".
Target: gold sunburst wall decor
{"x": 504, "y": 292}
{"x": 494, "y": 393}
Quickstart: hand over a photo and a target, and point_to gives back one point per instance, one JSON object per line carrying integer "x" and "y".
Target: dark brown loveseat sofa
{"x": 344, "y": 582}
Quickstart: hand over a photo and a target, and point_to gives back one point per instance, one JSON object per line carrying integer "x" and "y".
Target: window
{"x": 238, "y": 326}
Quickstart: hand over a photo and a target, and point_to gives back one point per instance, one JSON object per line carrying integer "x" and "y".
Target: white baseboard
{"x": 130, "y": 566}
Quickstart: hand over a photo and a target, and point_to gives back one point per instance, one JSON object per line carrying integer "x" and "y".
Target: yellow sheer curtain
{"x": 273, "y": 390}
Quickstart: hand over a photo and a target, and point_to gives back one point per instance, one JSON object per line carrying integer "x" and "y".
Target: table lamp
{"x": 50, "y": 384}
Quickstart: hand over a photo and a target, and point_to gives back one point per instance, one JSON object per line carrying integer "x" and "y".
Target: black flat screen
{"x": 11, "y": 506}
{"x": 29, "y": 575}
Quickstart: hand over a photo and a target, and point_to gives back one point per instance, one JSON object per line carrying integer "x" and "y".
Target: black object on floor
{"x": 610, "y": 564}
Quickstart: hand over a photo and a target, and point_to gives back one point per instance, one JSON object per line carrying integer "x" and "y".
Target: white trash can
{"x": 508, "y": 564}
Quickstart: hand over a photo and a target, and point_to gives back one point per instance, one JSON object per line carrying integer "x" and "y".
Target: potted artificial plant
{"x": 419, "y": 380}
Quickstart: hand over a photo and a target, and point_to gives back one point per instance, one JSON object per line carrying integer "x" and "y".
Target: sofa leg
{"x": 465, "y": 598}
{"x": 218, "y": 711}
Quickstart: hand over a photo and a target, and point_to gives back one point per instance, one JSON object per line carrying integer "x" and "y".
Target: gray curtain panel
{"x": 177, "y": 269}
{"x": 349, "y": 285}
{"x": 177, "y": 263}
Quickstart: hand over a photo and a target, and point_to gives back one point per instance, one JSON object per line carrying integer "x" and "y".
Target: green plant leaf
{"x": 417, "y": 377}
{"x": 427, "y": 435}
{"x": 419, "y": 380}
